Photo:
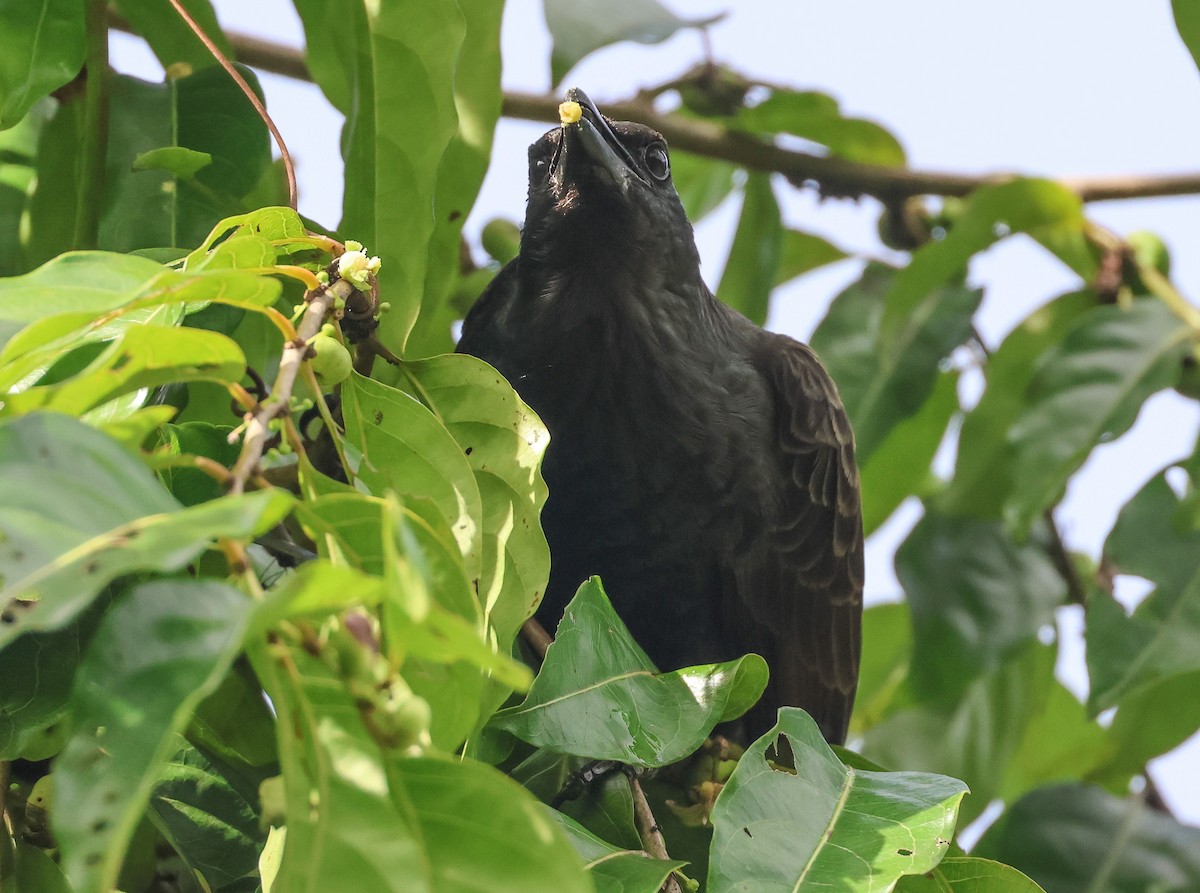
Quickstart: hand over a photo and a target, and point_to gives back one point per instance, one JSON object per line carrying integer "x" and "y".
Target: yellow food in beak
{"x": 569, "y": 112}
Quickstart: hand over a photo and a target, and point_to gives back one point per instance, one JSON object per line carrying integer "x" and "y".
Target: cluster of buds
{"x": 354, "y": 265}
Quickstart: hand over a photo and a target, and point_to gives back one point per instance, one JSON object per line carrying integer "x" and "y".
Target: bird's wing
{"x": 802, "y": 581}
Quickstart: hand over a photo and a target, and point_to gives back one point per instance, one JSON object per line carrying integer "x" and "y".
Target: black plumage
{"x": 703, "y": 467}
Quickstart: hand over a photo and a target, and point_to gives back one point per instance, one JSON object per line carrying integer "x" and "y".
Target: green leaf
{"x": 477, "y": 101}
{"x": 599, "y": 696}
{"x": 612, "y": 869}
{"x": 1030, "y": 206}
{"x": 886, "y": 656}
{"x": 902, "y": 464}
{"x": 1128, "y": 654}
{"x": 391, "y": 68}
{"x": 39, "y": 670}
{"x": 142, "y": 357}
{"x": 1077, "y": 839}
{"x": 79, "y": 511}
{"x": 504, "y": 443}
{"x": 407, "y": 450}
{"x": 359, "y": 818}
{"x": 702, "y": 183}
{"x": 1088, "y": 391}
{"x": 976, "y": 738}
{"x": 816, "y": 117}
{"x": 234, "y": 723}
{"x": 580, "y": 28}
{"x": 208, "y": 811}
{"x": 883, "y": 375}
{"x": 36, "y": 871}
{"x": 983, "y": 475}
{"x": 976, "y": 598}
{"x": 1187, "y": 22}
{"x": 42, "y": 45}
{"x": 90, "y": 282}
{"x": 183, "y": 163}
{"x": 969, "y": 874}
{"x": 750, "y": 271}
{"x": 190, "y": 485}
{"x": 825, "y": 826}
{"x": 159, "y": 650}
{"x": 169, "y": 36}
{"x": 801, "y": 252}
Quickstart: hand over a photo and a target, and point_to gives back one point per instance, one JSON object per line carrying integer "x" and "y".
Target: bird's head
{"x": 601, "y": 195}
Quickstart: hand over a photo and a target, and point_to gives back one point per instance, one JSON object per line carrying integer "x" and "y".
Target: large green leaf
{"x": 361, "y": 818}
{"x": 976, "y": 598}
{"x": 901, "y": 465}
{"x": 42, "y": 45}
{"x": 816, "y": 117}
{"x": 599, "y": 696}
{"x": 1088, "y": 390}
{"x": 79, "y": 511}
{"x": 503, "y": 442}
{"x": 886, "y": 659}
{"x": 801, "y": 252}
{"x": 1128, "y": 654}
{"x": 209, "y": 812}
{"x": 477, "y": 101}
{"x": 750, "y": 271}
{"x": 612, "y": 869}
{"x": 702, "y": 183}
{"x": 169, "y": 36}
{"x": 579, "y": 28}
{"x": 825, "y": 825}
{"x": 976, "y": 738}
{"x": 391, "y": 69}
{"x": 406, "y": 449}
{"x": 1077, "y": 839}
{"x": 983, "y": 471}
{"x": 969, "y": 874}
{"x": 158, "y": 651}
{"x": 1187, "y": 22}
{"x": 886, "y": 375}
{"x": 1038, "y": 207}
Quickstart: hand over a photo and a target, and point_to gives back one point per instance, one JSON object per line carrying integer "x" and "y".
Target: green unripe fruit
{"x": 333, "y": 363}
{"x": 501, "y": 239}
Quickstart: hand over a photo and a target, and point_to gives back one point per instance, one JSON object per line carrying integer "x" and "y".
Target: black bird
{"x": 703, "y": 467}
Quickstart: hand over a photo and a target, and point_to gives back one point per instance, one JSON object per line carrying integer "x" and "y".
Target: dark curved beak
{"x": 591, "y": 143}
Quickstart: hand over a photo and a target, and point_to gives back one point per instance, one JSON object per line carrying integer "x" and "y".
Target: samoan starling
{"x": 701, "y": 466}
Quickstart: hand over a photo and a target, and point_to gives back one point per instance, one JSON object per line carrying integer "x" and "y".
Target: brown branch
{"x": 536, "y": 637}
{"x": 258, "y": 422}
{"x": 835, "y": 176}
{"x": 648, "y": 830}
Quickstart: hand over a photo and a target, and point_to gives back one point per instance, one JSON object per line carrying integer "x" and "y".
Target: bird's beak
{"x": 589, "y": 142}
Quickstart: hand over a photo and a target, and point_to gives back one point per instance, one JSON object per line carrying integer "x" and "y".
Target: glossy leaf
{"x": 598, "y": 695}
{"x": 826, "y": 825}
{"x": 976, "y": 598}
{"x": 983, "y": 475}
{"x": 1128, "y": 654}
{"x": 816, "y": 117}
{"x": 387, "y": 822}
{"x": 1087, "y": 391}
{"x": 969, "y": 874}
{"x": 1187, "y": 22}
{"x": 750, "y": 271}
{"x": 612, "y": 869}
{"x": 885, "y": 376}
{"x": 977, "y": 737}
{"x": 578, "y": 29}
{"x": 1077, "y": 839}
{"x": 902, "y": 464}
{"x": 160, "y": 649}
{"x": 209, "y": 812}
{"x": 79, "y": 511}
{"x": 41, "y": 48}
{"x": 504, "y": 443}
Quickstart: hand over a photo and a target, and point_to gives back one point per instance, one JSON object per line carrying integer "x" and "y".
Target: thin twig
{"x": 835, "y": 176}
{"x": 258, "y": 422}
{"x": 652, "y": 839}
{"x": 288, "y": 167}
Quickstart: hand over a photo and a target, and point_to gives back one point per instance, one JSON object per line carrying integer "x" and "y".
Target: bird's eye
{"x": 656, "y": 161}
